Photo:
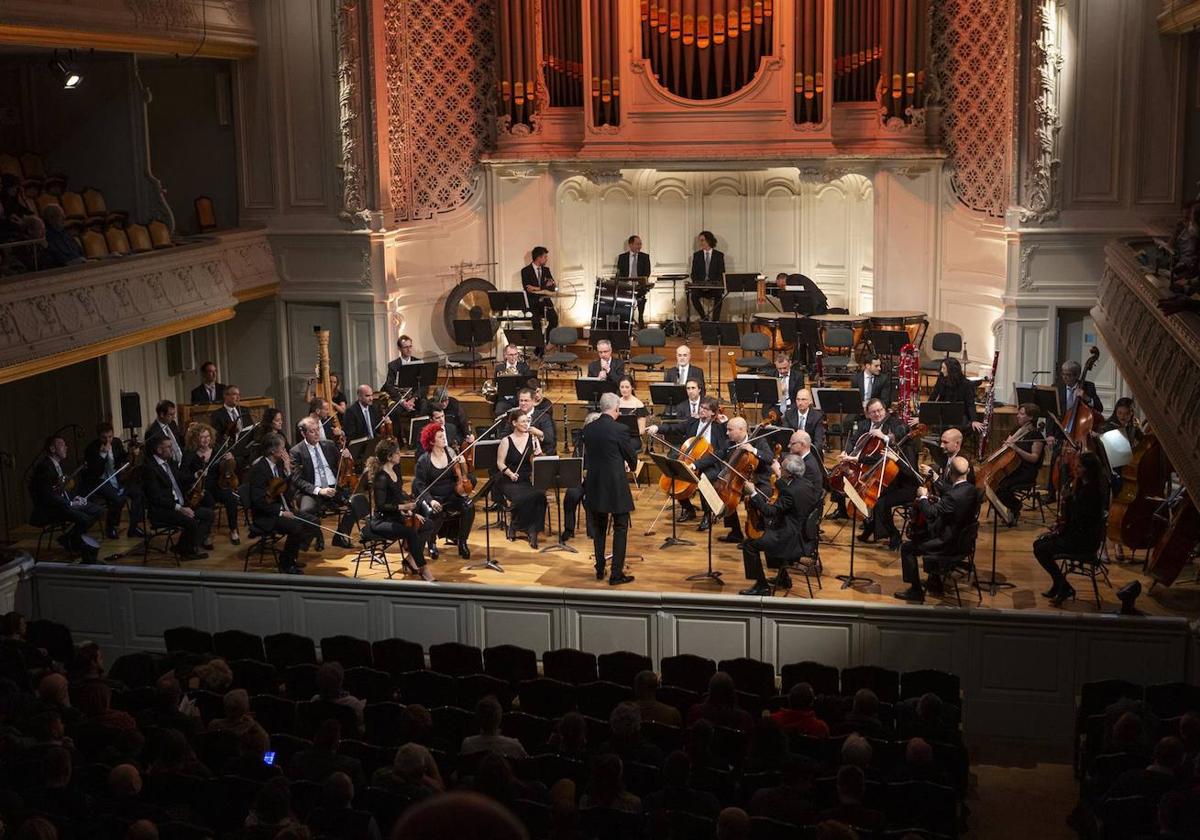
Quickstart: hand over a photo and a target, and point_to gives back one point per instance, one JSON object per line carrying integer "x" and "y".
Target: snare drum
{"x": 913, "y": 323}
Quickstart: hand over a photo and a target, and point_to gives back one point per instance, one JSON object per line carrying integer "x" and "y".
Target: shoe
{"x": 1052, "y": 591}
{"x": 912, "y": 595}
{"x": 567, "y": 536}
{"x": 234, "y": 538}
{"x": 617, "y": 581}
{"x": 427, "y": 574}
{"x": 599, "y": 573}
{"x": 136, "y": 532}
{"x": 411, "y": 566}
{"x": 686, "y": 515}
{"x": 758, "y": 590}
{"x": 731, "y": 537}
{"x": 208, "y": 546}
{"x": 705, "y": 523}
{"x": 464, "y": 550}
{"x": 893, "y": 544}
{"x": 784, "y": 580}
{"x": 934, "y": 585}
{"x": 341, "y": 542}
{"x": 533, "y": 539}
{"x": 290, "y": 570}
{"x": 434, "y": 554}
{"x": 320, "y": 546}
{"x": 838, "y": 514}
{"x": 110, "y": 533}
{"x": 1064, "y": 594}
{"x": 510, "y": 532}
{"x": 866, "y": 536}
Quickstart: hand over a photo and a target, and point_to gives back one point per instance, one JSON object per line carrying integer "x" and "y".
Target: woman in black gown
{"x": 952, "y": 386}
{"x": 197, "y": 454}
{"x": 435, "y": 484}
{"x": 515, "y": 457}
{"x": 392, "y": 504}
{"x": 630, "y": 406}
{"x": 1080, "y": 528}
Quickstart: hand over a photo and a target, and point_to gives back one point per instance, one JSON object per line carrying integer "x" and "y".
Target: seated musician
{"x": 708, "y": 424}
{"x": 408, "y": 399}
{"x": 434, "y": 484}
{"x": 452, "y": 411}
{"x": 164, "y": 425}
{"x": 209, "y": 390}
{"x": 198, "y": 465}
{"x": 886, "y": 427}
{"x": 337, "y": 401}
{"x": 952, "y": 386}
{"x": 541, "y": 424}
{"x": 391, "y": 506}
{"x": 437, "y": 416}
{"x": 708, "y": 269}
{"x": 53, "y": 502}
{"x": 321, "y": 411}
{"x": 391, "y": 382}
{"x": 606, "y": 367}
{"x": 575, "y": 496}
{"x": 103, "y": 457}
{"x": 515, "y": 459}
{"x": 1028, "y": 443}
{"x": 536, "y": 277}
{"x": 690, "y": 407}
{"x": 786, "y": 522}
{"x": 790, "y": 379}
{"x": 1081, "y": 524}
{"x": 230, "y": 418}
{"x": 950, "y": 444}
{"x": 1125, "y": 421}
{"x": 947, "y": 519}
{"x": 738, "y": 437}
{"x": 684, "y": 371}
{"x": 628, "y": 405}
{"x": 802, "y": 416}
{"x": 363, "y": 416}
{"x": 801, "y": 443}
{"x": 271, "y": 512}
{"x": 541, "y": 402}
{"x": 314, "y": 480}
{"x": 634, "y": 262}
{"x": 271, "y": 422}
{"x": 166, "y": 504}
{"x": 513, "y": 364}
{"x": 872, "y": 382}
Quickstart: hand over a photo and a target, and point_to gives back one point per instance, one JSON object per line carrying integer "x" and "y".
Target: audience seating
{"x": 570, "y": 665}
{"x": 687, "y": 670}
{"x": 286, "y": 649}
{"x": 622, "y": 666}
{"x": 238, "y": 644}
{"x": 348, "y": 651}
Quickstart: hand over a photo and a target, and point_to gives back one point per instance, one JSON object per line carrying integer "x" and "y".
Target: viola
{"x": 227, "y": 476}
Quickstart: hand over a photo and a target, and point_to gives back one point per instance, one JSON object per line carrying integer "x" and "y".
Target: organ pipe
{"x": 562, "y": 38}
{"x": 517, "y": 82}
{"x": 605, "y": 53}
{"x": 706, "y": 49}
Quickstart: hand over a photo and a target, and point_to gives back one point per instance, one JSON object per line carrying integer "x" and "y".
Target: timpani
{"x": 913, "y": 323}
{"x": 770, "y": 324}
{"x": 857, "y": 324}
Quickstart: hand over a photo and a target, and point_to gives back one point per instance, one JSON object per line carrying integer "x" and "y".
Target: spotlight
{"x": 67, "y": 72}
{"x": 1128, "y": 594}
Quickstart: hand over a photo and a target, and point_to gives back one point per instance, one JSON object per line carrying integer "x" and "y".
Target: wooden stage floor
{"x": 666, "y": 570}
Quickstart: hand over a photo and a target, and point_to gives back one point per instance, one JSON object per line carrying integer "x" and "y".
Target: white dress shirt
{"x": 163, "y": 465}
{"x": 323, "y": 475}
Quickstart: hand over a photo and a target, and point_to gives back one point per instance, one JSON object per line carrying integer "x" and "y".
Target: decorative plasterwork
{"x": 1024, "y": 273}
{"x": 347, "y": 26}
{"x": 1041, "y": 186}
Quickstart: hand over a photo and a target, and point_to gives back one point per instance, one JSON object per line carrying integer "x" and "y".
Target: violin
{"x": 464, "y": 481}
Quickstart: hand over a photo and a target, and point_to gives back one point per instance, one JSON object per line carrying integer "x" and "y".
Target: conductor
{"x": 608, "y": 449}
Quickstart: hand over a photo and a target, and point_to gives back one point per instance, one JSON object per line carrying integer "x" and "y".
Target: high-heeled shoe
{"x": 427, "y": 574}
{"x": 1064, "y": 594}
{"x": 1052, "y": 591}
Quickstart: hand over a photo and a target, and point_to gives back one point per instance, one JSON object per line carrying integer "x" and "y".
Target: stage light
{"x": 67, "y": 72}
{"x": 1128, "y": 594}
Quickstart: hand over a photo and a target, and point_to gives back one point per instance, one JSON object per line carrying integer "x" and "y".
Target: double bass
{"x": 1131, "y": 520}
{"x": 1178, "y": 543}
{"x": 1077, "y": 425}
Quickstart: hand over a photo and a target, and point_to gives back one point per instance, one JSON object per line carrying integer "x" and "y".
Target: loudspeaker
{"x": 131, "y": 410}
{"x": 181, "y": 353}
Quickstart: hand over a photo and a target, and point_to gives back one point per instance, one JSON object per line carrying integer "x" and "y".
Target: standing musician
{"x": 392, "y": 507}
{"x": 1029, "y": 444}
{"x": 708, "y": 268}
{"x": 515, "y": 456}
{"x": 606, "y": 367}
{"x": 709, "y": 424}
{"x": 209, "y": 390}
{"x": 314, "y": 477}
{"x": 102, "y": 458}
{"x": 786, "y": 519}
{"x": 607, "y": 453}
{"x": 536, "y": 277}
{"x": 435, "y": 484}
{"x": 197, "y": 459}
{"x": 634, "y": 262}
{"x": 363, "y": 416}
{"x": 1080, "y": 527}
{"x": 789, "y": 379}
{"x": 338, "y": 400}
{"x": 953, "y": 512}
{"x": 690, "y": 407}
{"x": 1125, "y": 421}
{"x": 890, "y": 428}
{"x": 320, "y": 411}
{"x": 274, "y": 515}
{"x": 166, "y": 504}
{"x": 231, "y": 418}
{"x": 954, "y": 387}
{"x": 684, "y": 371}
{"x": 541, "y": 424}
{"x": 872, "y": 382}
{"x": 1070, "y": 389}
{"x": 53, "y": 502}
{"x": 575, "y": 496}
{"x": 802, "y": 416}
{"x": 165, "y": 426}
{"x": 814, "y": 471}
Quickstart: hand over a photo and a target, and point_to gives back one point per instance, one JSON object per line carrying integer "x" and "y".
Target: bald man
{"x": 951, "y": 444}
{"x": 803, "y": 416}
{"x": 948, "y": 521}
{"x": 362, "y": 415}
{"x": 737, "y": 437}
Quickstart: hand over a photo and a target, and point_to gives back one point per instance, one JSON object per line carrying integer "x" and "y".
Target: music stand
{"x": 525, "y": 338}
{"x": 667, "y": 394}
{"x": 844, "y": 402}
{"x": 508, "y": 385}
{"x": 1045, "y": 397}
{"x": 618, "y": 338}
{"x": 588, "y": 389}
{"x": 675, "y": 471}
{"x": 719, "y": 334}
{"x": 856, "y": 504}
{"x": 415, "y": 425}
{"x": 888, "y": 342}
{"x": 554, "y": 471}
{"x": 717, "y": 508}
{"x": 485, "y": 459}
{"x": 938, "y": 416}
{"x": 474, "y": 333}
{"x": 755, "y": 390}
{"x": 998, "y": 510}
{"x": 800, "y": 302}
{"x": 503, "y": 302}
{"x": 675, "y": 325}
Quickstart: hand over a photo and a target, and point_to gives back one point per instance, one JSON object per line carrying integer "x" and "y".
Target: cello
{"x": 693, "y": 449}
{"x": 1077, "y": 427}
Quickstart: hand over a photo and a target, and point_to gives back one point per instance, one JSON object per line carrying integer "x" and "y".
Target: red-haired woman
{"x": 435, "y": 483}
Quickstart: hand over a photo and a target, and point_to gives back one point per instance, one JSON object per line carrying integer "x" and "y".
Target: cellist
{"x": 888, "y": 428}
{"x": 708, "y": 425}
{"x": 712, "y": 464}
{"x": 786, "y": 518}
{"x": 1028, "y": 443}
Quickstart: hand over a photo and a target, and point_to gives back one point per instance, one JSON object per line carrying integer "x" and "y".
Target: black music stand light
{"x": 667, "y": 394}
{"x": 719, "y": 334}
{"x": 553, "y": 471}
{"x": 588, "y": 389}
{"x": 485, "y": 459}
{"x": 676, "y": 471}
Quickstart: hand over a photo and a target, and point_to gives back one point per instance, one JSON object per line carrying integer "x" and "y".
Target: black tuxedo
{"x": 881, "y": 387}
{"x": 1089, "y": 389}
{"x": 713, "y": 275}
{"x": 786, "y": 536}
{"x": 814, "y": 424}
{"x": 355, "y": 424}
{"x": 392, "y": 377}
{"x": 540, "y": 307}
{"x": 220, "y": 420}
{"x": 200, "y": 396}
{"x": 267, "y": 518}
{"x": 161, "y": 503}
{"x": 616, "y": 369}
{"x": 608, "y": 450}
{"x": 114, "y": 496}
{"x": 641, "y": 268}
{"x": 52, "y": 503}
{"x": 693, "y": 373}
{"x": 93, "y": 472}
{"x": 814, "y": 469}
{"x": 683, "y": 410}
{"x": 947, "y": 520}
{"x": 155, "y": 433}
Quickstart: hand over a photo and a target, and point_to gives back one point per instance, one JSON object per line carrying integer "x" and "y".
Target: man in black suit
{"x": 209, "y": 390}
{"x": 684, "y": 370}
{"x": 708, "y": 268}
{"x": 801, "y": 444}
{"x": 802, "y": 416}
{"x": 320, "y": 410}
{"x": 536, "y": 277}
{"x": 606, "y": 366}
{"x": 803, "y": 283}
{"x": 230, "y": 418}
{"x": 707, "y": 425}
{"x": 166, "y": 504}
{"x": 103, "y": 457}
{"x": 363, "y": 416}
{"x": 453, "y": 411}
{"x": 886, "y": 427}
{"x": 737, "y": 437}
{"x": 275, "y": 516}
{"x": 872, "y": 382}
{"x": 789, "y": 380}
{"x": 608, "y": 450}
{"x": 690, "y": 407}
{"x": 391, "y": 382}
{"x": 52, "y": 502}
{"x": 1069, "y": 390}
{"x": 314, "y": 480}
{"x": 635, "y": 262}
{"x": 786, "y": 520}
{"x": 947, "y": 520}
{"x": 513, "y": 364}
{"x": 164, "y": 425}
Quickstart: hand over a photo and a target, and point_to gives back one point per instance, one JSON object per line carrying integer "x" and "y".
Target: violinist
{"x": 709, "y": 425}
{"x": 198, "y": 466}
{"x": 889, "y": 428}
{"x": 103, "y": 457}
{"x": 321, "y": 411}
{"x": 608, "y": 452}
{"x": 789, "y": 379}
{"x": 953, "y": 386}
{"x": 231, "y": 418}
{"x": 271, "y": 423}
{"x": 801, "y": 415}
{"x": 314, "y": 478}
{"x": 515, "y": 456}
{"x": 1028, "y": 443}
{"x": 395, "y": 514}
{"x": 435, "y": 484}
{"x": 53, "y": 501}
{"x": 787, "y": 521}
{"x": 164, "y": 425}
{"x": 363, "y": 417}
{"x": 269, "y": 507}
{"x": 167, "y": 504}
{"x": 948, "y": 518}
{"x": 1080, "y": 528}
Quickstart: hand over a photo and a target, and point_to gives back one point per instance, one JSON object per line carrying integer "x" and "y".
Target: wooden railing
{"x": 1159, "y": 355}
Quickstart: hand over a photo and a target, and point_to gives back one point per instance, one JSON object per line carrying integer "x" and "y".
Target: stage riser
{"x": 1020, "y": 672}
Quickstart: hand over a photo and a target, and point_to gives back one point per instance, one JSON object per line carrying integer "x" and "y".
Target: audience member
{"x": 330, "y": 677}
{"x": 699, "y": 747}
{"x": 494, "y": 777}
{"x": 645, "y": 689}
{"x": 62, "y": 249}
{"x": 790, "y": 801}
{"x": 56, "y": 795}
{"x": 142, "y": 830}
{"x": 272, "y": 807}
{"x": 413, "y": 774}
{"x": 488, "y": 715}
{"x": 54, "y": 695}
{"x": 720, "y": 706}
{"x": 733, "y": 824}
{"x": 215, "y": 675}
{"x": 89, "y": 665}
{"x": 625, "y": 726}
{"x": 319, "y": 761}
{"x": 851, "y": 786}
{"x": 676, "y": 794}
{"x": 768, "y": 747}
{"x": 37, "y": 828}
{"x": 857, "y": 752}
{"x": 799, "y": 716}
{"x": 863, "y": 716}
{"x": 95, "y": 702}
{"x": 238, "y": 718}
{"x": 1151, "y": 782}
{"x": 606, "y": 787}
{"x": 250, "y": 761}
{"x": 919, "y": 764}
{"x": 459, "y": 814}
{"x": 165, "y": 711}
{"x": 336, "y": 815}
{"x": 176, "y": 757}
{"x": 570, "y": 737}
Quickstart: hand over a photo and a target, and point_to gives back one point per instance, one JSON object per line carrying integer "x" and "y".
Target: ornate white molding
{"x": 347, "y": 25}
{"x": 1024, "y": 267}
{"x": 1041, "y": 187}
